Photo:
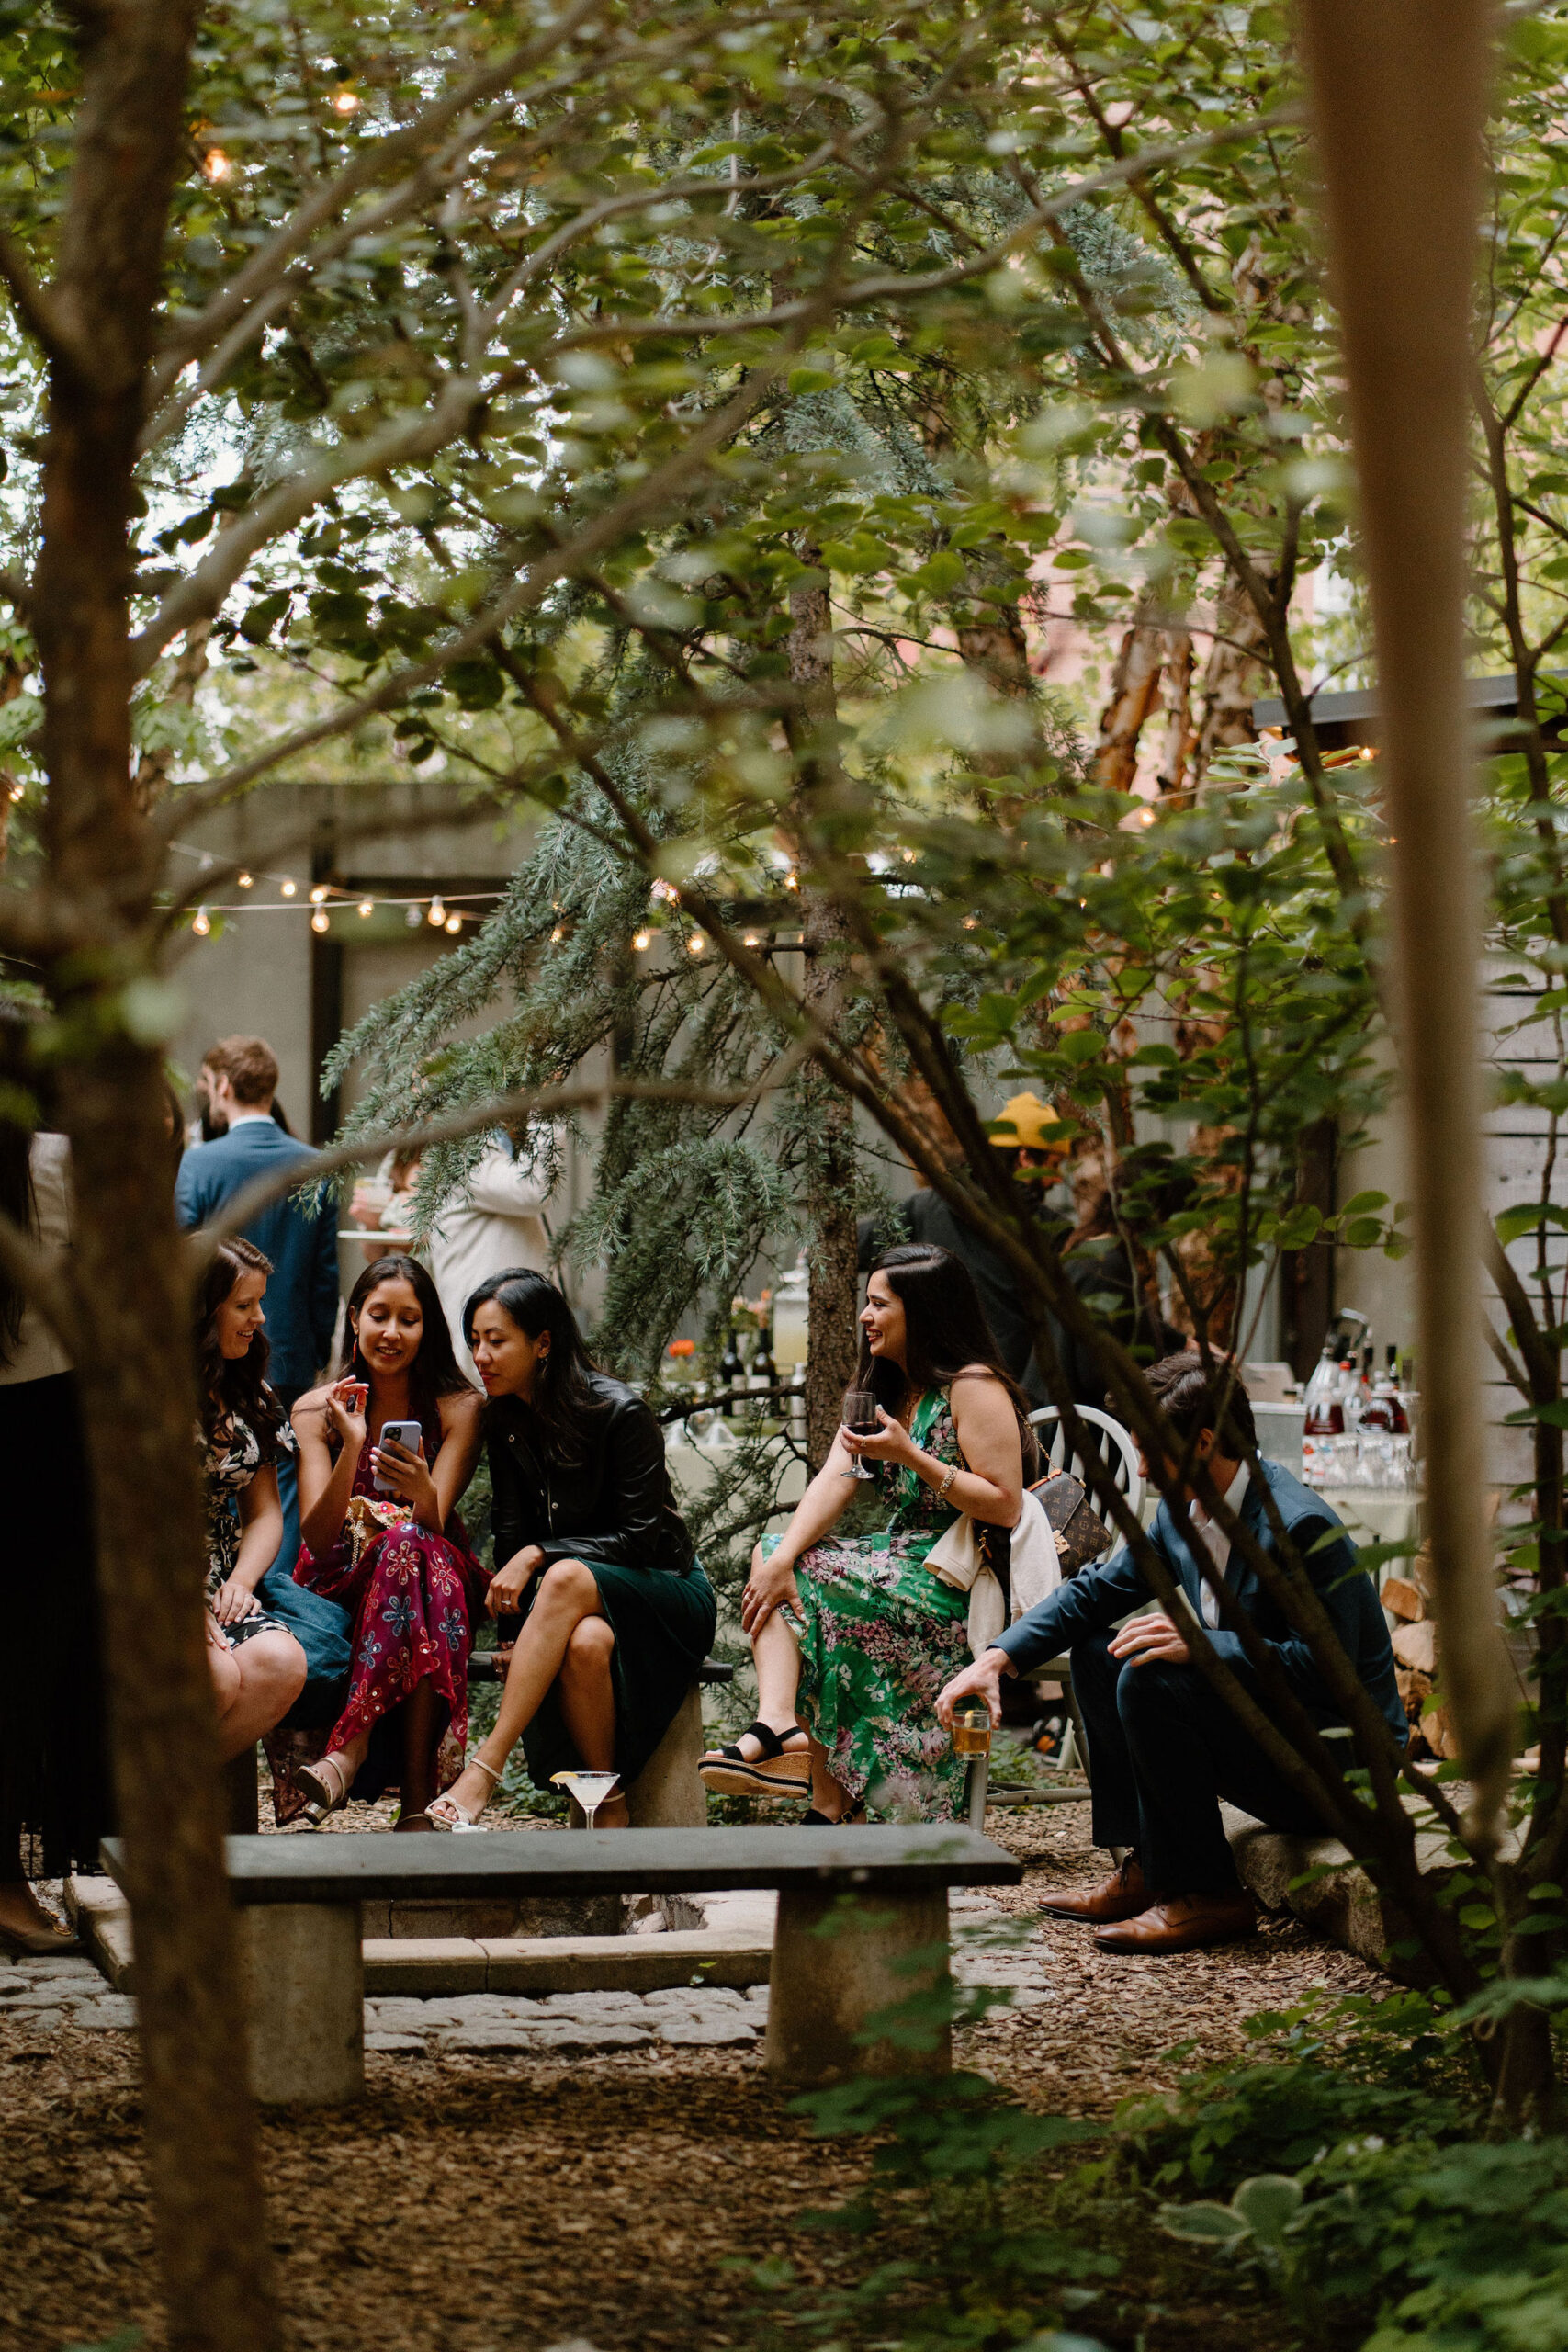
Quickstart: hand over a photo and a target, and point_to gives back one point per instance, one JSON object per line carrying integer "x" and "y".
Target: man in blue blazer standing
{"x": 239, "y": 1076}
{"x": 1163, "y": 1746}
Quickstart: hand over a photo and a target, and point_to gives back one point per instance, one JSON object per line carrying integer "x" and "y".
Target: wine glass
{"x": 589, "y": 1789}
{"x": 859, "y": 1415}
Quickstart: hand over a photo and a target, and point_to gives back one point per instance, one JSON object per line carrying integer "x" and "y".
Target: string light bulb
{"x": 321, "y": 920}
{"x": 216, "y": 167}
{"x": 288, "y": 886}
{"x": 412, "y": 917}
{"x": 319, "y": 894}
{"x": 245, "y": 879}
{"x": 201, "y": 922}
{"x": 792, "y": 880}
{"x": 753, "y": 939}
{"x": 641, "y": 940}
{"x": 437, "y": 914}
{"x": 18, "y": 791}
{"x": 696, "y": 944}
{"x": 345, "y": 102}
{"x": 366, "y": 906}
{"x": 454, "y": 924}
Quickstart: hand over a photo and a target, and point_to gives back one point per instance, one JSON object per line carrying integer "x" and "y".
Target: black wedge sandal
{"x": 853, "y": 1819}
{"x": 775, "y": 1773}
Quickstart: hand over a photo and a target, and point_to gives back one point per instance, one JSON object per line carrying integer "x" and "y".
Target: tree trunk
{"x": 129, "y": 1274}
{"x": 1134, "y": 693}
{"x": 1233, "y": 671}
{"x": 1178, "y": 750}
{"x": 830, "y": 1177}
{"x": 1399, "y": 95}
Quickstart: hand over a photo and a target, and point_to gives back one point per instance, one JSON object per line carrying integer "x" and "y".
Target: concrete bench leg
{"x": 304, "y": 2002}
{"x": 667, "y": 1794}
{"x": 836, "y": 1964}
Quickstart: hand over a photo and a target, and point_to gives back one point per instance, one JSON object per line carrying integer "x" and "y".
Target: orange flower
{"x": 682, "y": 1347}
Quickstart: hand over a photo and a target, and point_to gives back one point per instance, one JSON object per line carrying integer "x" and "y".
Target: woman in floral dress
{"x": 258, "y": 1668}
{"x": 381, "y": 1536}
{"x": 854, "y": 1639}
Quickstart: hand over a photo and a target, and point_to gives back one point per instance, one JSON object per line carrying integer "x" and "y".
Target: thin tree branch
{"x": 528, "y": 1103}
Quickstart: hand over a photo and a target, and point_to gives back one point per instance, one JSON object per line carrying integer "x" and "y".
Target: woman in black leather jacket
{"x": 590, "y": 1551}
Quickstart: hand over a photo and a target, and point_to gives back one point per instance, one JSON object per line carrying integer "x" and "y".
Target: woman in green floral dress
{"x": 854, "y": 1639}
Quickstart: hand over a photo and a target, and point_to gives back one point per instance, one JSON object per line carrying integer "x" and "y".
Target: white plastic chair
{"x": 1129, "y": 1481}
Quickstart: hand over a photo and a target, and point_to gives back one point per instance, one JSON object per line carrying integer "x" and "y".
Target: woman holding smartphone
{"x": 377, "y": 1514}
{"x": 853, "y": 1638}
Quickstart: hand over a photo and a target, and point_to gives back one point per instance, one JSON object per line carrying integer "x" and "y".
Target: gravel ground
{"x": 500, "y": 2132}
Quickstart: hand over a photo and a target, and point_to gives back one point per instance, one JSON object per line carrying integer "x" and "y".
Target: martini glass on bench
{"x": 589, "y": 1789}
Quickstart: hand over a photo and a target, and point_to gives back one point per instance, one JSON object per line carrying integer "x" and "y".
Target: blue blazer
{"x": 1092, "y": 1602}
{"x": 302, "y": 1294}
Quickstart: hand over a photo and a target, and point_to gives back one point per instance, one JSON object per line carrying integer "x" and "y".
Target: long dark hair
{"x": 563, "y": 1397}
{"x": 945, "y": 1332}
{"x": 230, "y": 1385}
{"x": 435, "y": 1372}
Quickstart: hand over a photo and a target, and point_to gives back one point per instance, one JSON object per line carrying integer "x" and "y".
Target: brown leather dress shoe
{"x": 1182, "y": 1923}
{"x": 1121, "y": 1896}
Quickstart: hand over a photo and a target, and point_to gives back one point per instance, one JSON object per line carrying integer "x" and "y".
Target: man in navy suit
{"x": 239, "y": 1077}
{"x": 1163, "y": 1746}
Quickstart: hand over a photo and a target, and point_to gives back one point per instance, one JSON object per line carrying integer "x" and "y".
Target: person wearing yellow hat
{"x": 1034, "y": 1129}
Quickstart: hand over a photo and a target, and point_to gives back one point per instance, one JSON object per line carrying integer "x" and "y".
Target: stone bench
{"x": 862, "y": 1925}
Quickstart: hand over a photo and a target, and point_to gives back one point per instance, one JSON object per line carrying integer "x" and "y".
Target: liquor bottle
{"x": 1323, "y": 1419}
{"x": 1383, "y": 1409}
{"x": 764, "y": 1370}
{"x": 731, "y": 1374}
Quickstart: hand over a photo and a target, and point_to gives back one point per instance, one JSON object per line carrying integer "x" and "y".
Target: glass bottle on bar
{"x": 1323, "y": 1419}
{"x": 731, "y": 1374}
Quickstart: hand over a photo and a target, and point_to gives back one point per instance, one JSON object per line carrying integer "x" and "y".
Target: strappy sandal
{"x": 324, "y": 1796}
{"x": 774, "y": 1773}
{"x": 445, "y": 1813}
{"x": 853, "y": 1819}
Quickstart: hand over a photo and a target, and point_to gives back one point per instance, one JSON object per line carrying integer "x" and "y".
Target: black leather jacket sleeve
{"x": 511, "y": 1523}
{"x": 633, "y": 1494}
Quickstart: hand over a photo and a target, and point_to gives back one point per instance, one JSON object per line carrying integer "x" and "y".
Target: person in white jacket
{"x": 498, "y": 1220}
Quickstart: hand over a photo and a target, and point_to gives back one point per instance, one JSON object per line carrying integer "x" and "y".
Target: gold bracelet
{"x": 942, "y": 1490}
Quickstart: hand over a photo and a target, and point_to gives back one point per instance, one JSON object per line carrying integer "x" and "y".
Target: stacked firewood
{"x": 1415, "y": 1657}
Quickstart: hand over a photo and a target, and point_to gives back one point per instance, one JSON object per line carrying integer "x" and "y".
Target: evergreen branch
{"x": 890, "y": 285}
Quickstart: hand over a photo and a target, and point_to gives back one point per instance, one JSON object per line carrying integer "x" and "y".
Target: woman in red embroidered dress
{"x": 399, "y": 1559}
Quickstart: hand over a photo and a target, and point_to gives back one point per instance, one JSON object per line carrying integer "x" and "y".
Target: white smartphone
{"x": 404, "y": 1433}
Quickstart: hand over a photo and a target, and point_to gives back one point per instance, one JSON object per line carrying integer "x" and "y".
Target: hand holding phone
{"x": 406, "y": 1435}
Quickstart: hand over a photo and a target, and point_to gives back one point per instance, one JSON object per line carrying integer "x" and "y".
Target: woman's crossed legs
{"x": 566, "y": 1640}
